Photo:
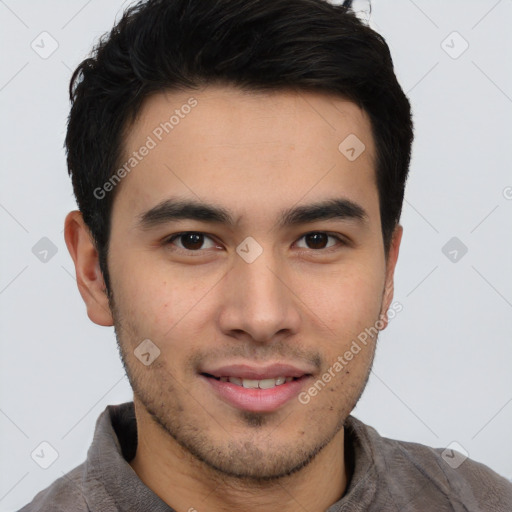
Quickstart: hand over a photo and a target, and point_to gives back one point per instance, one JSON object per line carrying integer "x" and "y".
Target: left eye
{"x": 320, "y": 238}
{"x": 193, "y": 240}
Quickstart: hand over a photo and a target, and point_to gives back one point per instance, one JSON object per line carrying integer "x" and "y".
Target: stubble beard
{"x": 246, "y": 460}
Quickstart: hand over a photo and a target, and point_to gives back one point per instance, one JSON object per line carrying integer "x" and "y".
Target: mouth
{"x": 254, "y": 383}
{"x": 256, "y": 395}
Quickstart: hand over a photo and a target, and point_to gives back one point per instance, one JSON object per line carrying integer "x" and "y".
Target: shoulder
{"x": 63, "y": 495}
{"x": 439, "y": 471}
{"x": 469, "y": 482}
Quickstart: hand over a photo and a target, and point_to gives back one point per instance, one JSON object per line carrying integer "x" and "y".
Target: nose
{"x": 259, "y": 302}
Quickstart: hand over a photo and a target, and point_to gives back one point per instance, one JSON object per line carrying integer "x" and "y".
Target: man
{"x": 240, "y": 168}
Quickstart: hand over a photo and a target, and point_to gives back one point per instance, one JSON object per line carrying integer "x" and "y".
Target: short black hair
{"x": 165, "y": 45}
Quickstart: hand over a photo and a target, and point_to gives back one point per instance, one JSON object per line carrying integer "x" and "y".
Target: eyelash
{"x": 341, "y": 241}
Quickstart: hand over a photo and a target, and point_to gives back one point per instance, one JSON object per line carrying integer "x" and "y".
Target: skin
{"x": 255, "y": 154}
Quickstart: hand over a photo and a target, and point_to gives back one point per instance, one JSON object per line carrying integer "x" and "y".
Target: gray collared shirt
{"x": 386, "y": 475}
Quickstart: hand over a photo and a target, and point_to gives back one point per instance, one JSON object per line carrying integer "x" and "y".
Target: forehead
{"x": 226, "y": 113}
{"x": 248, "y": 149}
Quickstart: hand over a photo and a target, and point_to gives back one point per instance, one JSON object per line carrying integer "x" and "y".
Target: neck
{"x": 187, "y": 484}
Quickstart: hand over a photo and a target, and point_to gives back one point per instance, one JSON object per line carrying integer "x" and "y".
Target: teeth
{"x": 255, "y": 384}
{"x": 249, "y": 383}
{"x": 269, "y": 383}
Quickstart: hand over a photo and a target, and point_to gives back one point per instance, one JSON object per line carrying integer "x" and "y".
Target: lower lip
{"x": 256, "y": 400}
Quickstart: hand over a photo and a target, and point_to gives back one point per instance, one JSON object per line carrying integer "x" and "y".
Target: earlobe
{"x": 89, "y": 277}
{"x": 390, "y": 272}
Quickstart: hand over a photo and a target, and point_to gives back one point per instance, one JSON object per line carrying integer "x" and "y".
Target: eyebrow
{"x": 178, "y": 209}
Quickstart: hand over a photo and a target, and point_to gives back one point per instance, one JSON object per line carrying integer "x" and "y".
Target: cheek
{"x": 345, "y": 298}
{"x": 160, "y": 303}
{"x": 162, "y": 300}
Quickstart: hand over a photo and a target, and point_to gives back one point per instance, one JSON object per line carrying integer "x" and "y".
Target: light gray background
{"x": 442, "y": 370}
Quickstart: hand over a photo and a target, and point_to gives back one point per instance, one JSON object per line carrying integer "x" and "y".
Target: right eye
{"x": 191, "y": 241}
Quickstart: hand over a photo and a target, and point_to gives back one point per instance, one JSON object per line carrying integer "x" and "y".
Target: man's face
{"x": 237, "y": 299}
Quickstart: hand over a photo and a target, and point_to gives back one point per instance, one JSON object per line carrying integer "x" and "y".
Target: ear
{"x": 392, "y": 258}
{"x": 88, "y": 273}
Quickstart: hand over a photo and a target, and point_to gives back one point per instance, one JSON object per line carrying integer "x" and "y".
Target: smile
{"x": 253, "y": 383}
{"x": 255, "y": 395}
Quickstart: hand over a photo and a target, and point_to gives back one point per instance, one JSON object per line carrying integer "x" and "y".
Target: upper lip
{"x": 245, "y": 371}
